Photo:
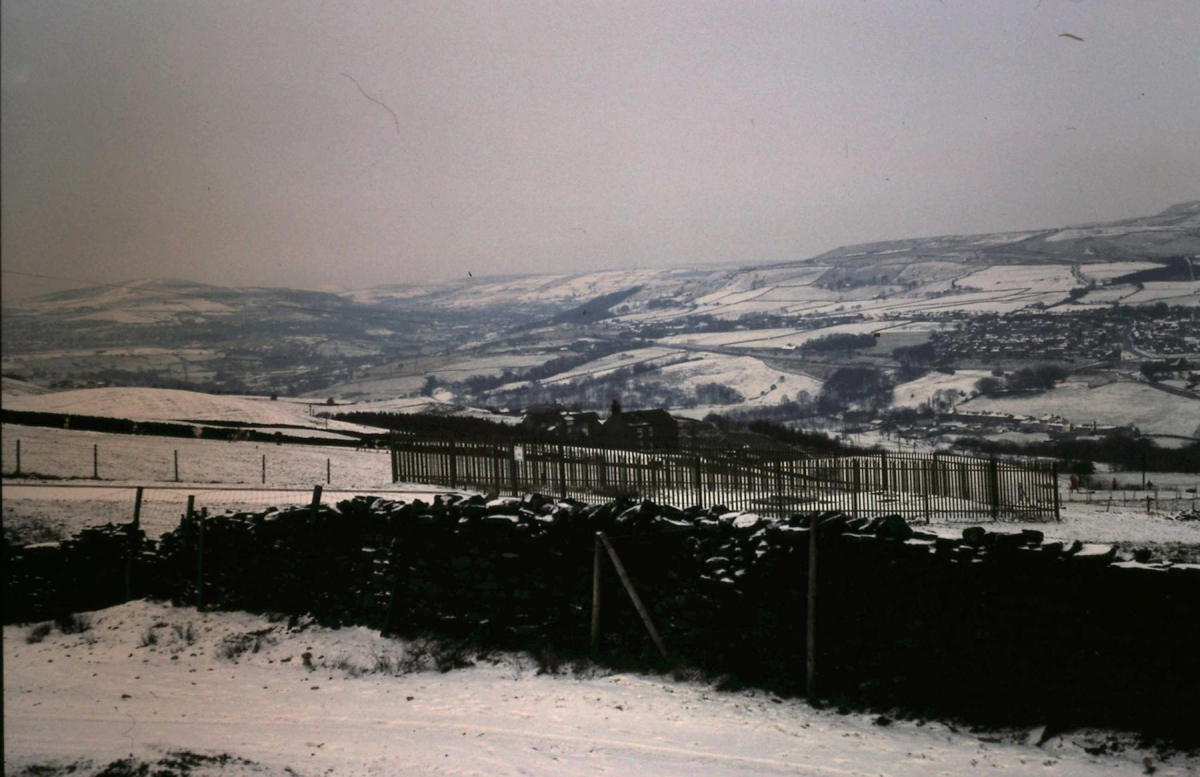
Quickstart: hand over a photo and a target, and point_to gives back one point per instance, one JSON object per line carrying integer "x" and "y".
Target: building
{"x": 641, "y": 429}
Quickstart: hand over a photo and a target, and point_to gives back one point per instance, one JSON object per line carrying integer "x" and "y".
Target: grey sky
{"x": 220, "y": 141}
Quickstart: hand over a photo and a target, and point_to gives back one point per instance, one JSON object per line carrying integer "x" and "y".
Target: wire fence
{"x": 914, "y": 485}
{"x": 32, "y": 453}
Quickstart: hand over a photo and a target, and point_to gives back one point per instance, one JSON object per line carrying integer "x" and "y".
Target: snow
{"x": 1151, "y": 410}
{"x": 144, "y": 459}
{"x": 916, "y": 392}
{"x": 102, "y": 695}
{"x": 57, "y": 511}
{"x": 754, "y": 380}
{"x": 149, "y": 404}
{"x": 1105, "y": 270}
{"x": 770, "y": 338}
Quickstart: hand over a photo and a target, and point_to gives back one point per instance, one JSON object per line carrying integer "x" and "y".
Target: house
{"x": 641, "y": 429}
{"x": 556, "y": 422}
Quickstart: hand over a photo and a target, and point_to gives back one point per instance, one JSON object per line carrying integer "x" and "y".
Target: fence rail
{"x": 921, "y": 486}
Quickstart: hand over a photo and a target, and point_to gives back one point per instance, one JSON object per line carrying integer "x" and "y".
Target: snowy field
{"x": 85, "y": 700}
{"x": 1151, "y": 410}
{"x": 149, "y": 404}
{"x": 918, "y": 391}
{"x": 145, "y": 459}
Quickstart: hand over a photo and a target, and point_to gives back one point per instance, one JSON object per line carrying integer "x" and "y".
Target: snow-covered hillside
{"x": 148, "y": 404}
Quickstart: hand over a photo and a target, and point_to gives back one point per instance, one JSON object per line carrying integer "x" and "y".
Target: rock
{"x": 975, "y": 536}
{"x": 893, "y": 527}
{"x": 747, "y": 522}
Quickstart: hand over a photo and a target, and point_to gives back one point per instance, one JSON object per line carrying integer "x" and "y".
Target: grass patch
{"x": 234, "y": 646}
{"x": 38, "y": 633}
{"x": 73, "y": 623}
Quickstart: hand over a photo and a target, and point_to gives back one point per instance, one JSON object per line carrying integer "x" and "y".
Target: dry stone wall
{"x": 993, "y": 627}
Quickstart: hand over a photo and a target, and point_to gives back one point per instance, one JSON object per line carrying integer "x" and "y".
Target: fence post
{"x": 264, "y": 469}
{"x": 926, "y": 485}
{"x": 453, "y": 465}
{"x": 994, "y": 487}
{"x": 96, "y": 461}
{"x": 395, "y": 453}
{"x": 779, "y": 484}
{"x": 562, "y": 471}
{"x": 810, "y": 673}
{"x": 637, "y": 602}
{"x": 596, "y": 597}
{"x": 328, "y": 472}
{"x": 883, "y": 467}
{"x": 18, "y": 457}
{"x": 699, "y": 482}
{"x": 316, "y": 501}
{"x": 1054, "y": 475}
{"x": 512, "y": 467}
{"x": 187, "y": 533}
{"x": 857, "y": 484}
{"x": 176, "y": 466}
{"x": 200, "y": 561}
{"x": 135, "y": 527}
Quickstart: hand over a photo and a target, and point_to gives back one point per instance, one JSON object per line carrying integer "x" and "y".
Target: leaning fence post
{"x": 596, "y": 558}
{"x": 637, "y": 602}
{"x": 810, "y": 672}
{"x": 135, "y": 527}
{"x": 316, "y": 501}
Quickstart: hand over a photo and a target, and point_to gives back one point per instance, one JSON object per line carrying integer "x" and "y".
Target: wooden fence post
{"x": 18, "y": 457}
{"x": 926, "y": 485}
{"x": 883, "y": 468}
{"x": 512, "y": 468}
{"x": 779, "y": 484}
{"x": 453, "y": 465}
{"x": 135, "y": 527}
{"x": 994, "y": 487}
{"x": 596, "y": 558}
{"x": 637, "y": 602}
{"x": 176, "y": 466}
{"x": 96, "y": 461}
{"x": 328, "y": 472}
{"x": 857, "y": 484}
{"x": 1054, "y": 476}
{"x": 200, "y": 560}
{"x": 810, "y": 673}
{"x": 562, "y": 471}
{"x": 264, "y": 469}
{"x": 395, "y": 462}
{"x": 187, "y": 531}
{"x": 316, "y": 502}
{"x": 699, "y": 482}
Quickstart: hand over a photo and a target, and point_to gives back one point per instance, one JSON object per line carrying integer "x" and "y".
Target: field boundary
{"x": 917, "y": 486}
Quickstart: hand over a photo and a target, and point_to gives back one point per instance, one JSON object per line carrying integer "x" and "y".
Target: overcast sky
{"x": 351, "y": 144}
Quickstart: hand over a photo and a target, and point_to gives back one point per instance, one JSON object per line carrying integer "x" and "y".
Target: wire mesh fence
{"x": 915, "y": 485}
